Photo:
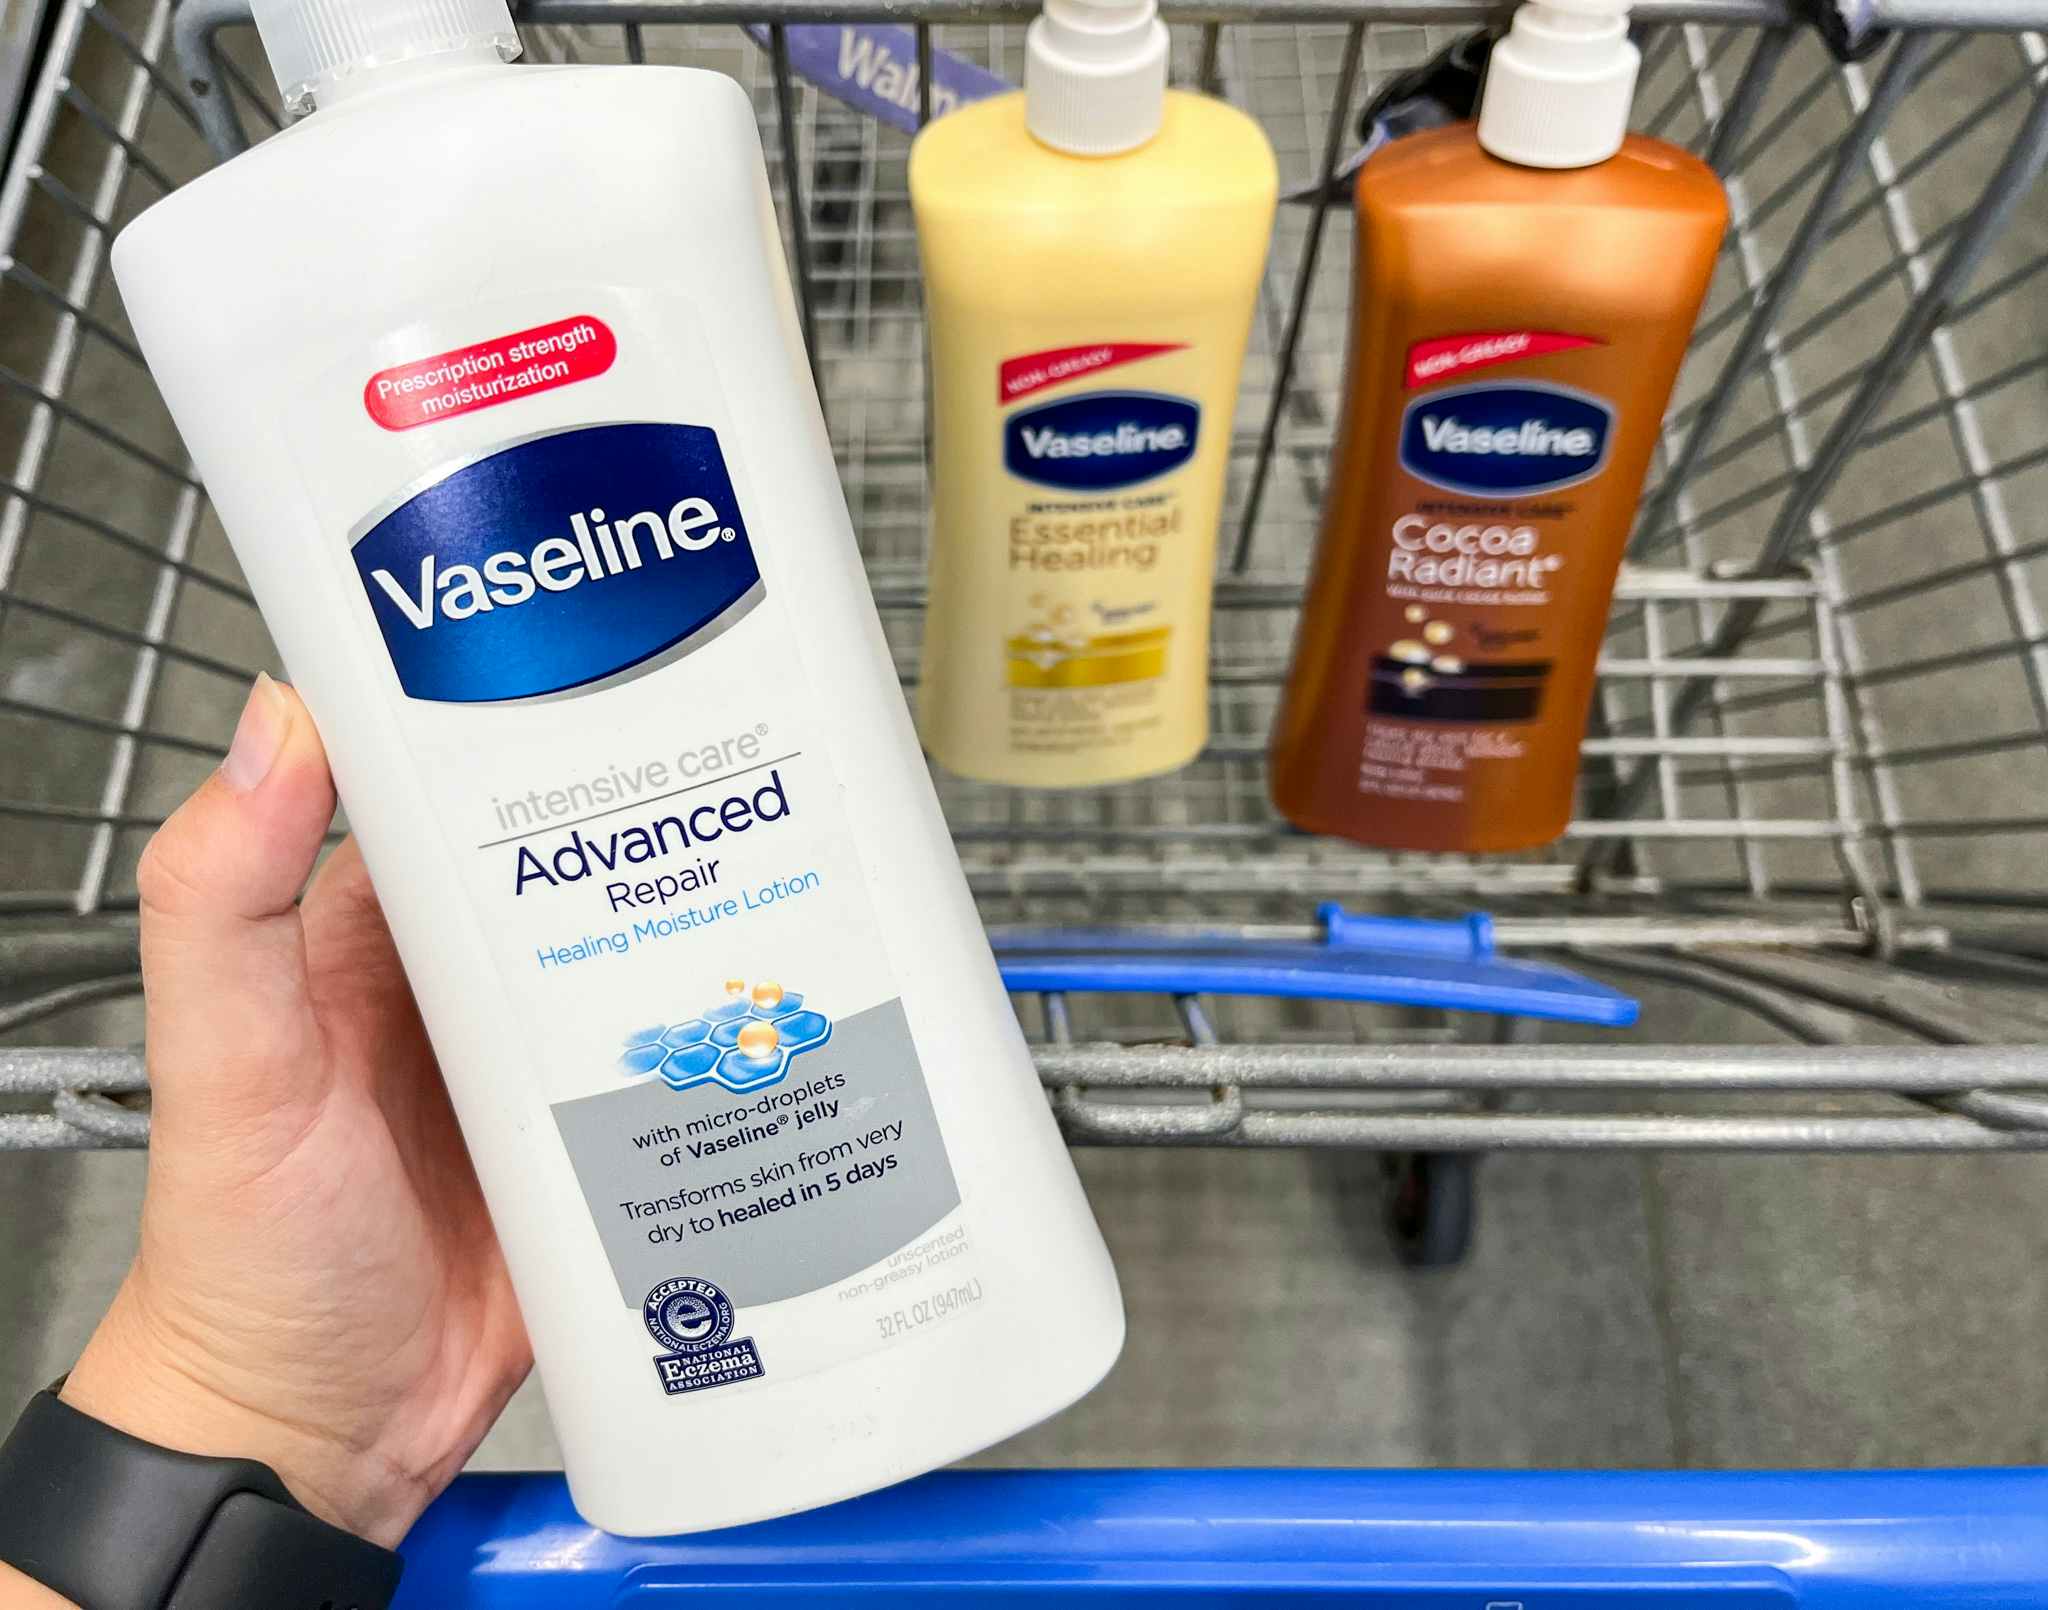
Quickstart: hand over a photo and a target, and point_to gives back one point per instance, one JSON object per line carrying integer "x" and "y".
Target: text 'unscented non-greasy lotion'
{"x": 1524, "y": 292}
{"x": 520, "y": 456}
{"x": 1091, "y": 247}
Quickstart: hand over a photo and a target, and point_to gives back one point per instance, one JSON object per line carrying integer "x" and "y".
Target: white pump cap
{"x": 1095, "y": 75}
{"x": 312, "y": 43}
{"x": 1559, "y": 84}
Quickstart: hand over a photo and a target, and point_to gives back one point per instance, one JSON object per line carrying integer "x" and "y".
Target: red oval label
{"x": 488, "y": 373}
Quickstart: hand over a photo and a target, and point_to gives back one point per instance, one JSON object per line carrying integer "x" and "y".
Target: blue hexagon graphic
{"x": 690, "y": 1066}
{"x": 682, "y": 1034}
{"x": 705, "y": 1049}
{"x": 642, "y": 1058}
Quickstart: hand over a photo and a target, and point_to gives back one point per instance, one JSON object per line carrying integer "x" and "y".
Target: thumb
{"x": 232, "y": 1037}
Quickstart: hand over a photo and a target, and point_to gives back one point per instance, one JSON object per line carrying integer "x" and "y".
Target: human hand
{"x": 318, "y": 1285}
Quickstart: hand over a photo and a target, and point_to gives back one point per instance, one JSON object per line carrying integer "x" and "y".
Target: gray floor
{"x": 1617, "y": 1311}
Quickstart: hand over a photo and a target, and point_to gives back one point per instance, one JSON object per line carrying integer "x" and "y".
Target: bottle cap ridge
{"x": 313, "y": 43}
{"x": 1559, "y": 84}
{"x": 1095, "y": 75}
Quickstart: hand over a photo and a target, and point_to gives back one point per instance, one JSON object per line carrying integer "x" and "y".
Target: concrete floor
{"x": 1617, "y": 1311}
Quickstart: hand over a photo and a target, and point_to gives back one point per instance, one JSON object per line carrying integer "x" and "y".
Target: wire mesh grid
{"x": 1820, "y": 725}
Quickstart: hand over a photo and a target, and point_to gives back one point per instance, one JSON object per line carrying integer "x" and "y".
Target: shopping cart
{"x": 1839, "y": 555}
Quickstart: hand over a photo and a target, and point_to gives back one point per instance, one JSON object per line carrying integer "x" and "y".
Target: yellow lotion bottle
{"x": 1092, "y": 247}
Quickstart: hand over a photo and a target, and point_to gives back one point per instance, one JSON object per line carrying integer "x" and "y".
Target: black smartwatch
{"x": 115, "y": 1523}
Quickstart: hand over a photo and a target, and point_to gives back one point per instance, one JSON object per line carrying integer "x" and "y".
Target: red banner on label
{"x": 1035, "y": 371}
{"x": 1447, "y": 355}
{"x": 491, "y": 372}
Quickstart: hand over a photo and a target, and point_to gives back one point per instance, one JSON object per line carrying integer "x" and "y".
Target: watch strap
{"x": 115, "y": 1523}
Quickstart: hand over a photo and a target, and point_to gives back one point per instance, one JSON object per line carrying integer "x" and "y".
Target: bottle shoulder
{"x": 984, "y": 158}
{"x": 445, "y": 136}
{"x": 1448, "y": 168}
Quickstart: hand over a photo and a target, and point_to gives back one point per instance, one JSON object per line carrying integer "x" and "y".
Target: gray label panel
{"x": 787, "y": 1189}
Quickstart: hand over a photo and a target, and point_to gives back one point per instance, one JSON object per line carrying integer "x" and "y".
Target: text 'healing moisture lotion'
{"x": 494, "y": 376}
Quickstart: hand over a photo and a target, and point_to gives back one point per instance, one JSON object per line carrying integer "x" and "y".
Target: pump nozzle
{"x": 314, "y": 43}
{"x": 1095, "y": 75}
{"x": 1559, "y": 84}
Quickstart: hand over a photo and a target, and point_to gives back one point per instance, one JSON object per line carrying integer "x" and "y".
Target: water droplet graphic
{"x": 1439, "y": 632}
{"x": 1415, "y": 614}
{"x": 1408, "y": 649}
{"x": 1447, "y": 664}
{"x": 743, "y": 1043}
{"x": 1415, "y": 683}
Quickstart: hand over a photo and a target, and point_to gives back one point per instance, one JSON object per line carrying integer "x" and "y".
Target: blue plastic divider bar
{"x": 1365, "y": 1540}
{"x": 1469, "y": 936}
{"x": 1399, "y": 961}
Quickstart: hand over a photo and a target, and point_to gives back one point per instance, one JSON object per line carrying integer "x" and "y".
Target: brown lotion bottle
{"x": 1523, "y": 295}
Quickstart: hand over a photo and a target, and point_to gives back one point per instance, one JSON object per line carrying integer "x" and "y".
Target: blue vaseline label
{"x": 561, "y": 561}
{"x": 1101, "y": 441}
{"x": 1506, "y": 440}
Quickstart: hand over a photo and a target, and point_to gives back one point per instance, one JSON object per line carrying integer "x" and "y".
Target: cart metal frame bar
{"x": 1741, "y": 707}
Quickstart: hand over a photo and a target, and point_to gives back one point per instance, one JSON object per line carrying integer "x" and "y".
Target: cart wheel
{"x": 1430, "y": 1203}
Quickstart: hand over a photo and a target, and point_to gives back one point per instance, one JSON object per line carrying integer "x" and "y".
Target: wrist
{"x": 138, "y": 1376}
{"x": 18, "y": 1592}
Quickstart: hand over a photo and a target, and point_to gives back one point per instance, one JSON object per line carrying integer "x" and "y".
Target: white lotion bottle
{"x": 495, "y": 378}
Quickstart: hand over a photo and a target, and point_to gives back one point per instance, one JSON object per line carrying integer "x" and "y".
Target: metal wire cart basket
{"x": 1810, "y": 819}
{"x": 1810, "y": 809}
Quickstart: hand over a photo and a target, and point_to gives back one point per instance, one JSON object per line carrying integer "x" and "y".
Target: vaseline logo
{"x": 1536, "y": 438}
{"x": 1101, "y": 441}
{"x": 1506, "y": 440}
{"x": 1127, "y": 438}
{"x": 507, "y": 578}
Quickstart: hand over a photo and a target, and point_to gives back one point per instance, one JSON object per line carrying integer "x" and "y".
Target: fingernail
{"x": 259, "y": 735}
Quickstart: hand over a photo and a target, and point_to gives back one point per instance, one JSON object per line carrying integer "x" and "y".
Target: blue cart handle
{"x": 1279, "y": 1539}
